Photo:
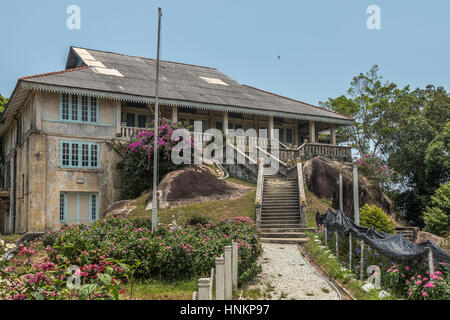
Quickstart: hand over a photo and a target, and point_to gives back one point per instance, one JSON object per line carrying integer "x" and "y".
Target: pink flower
{"x": 424, "y": 294}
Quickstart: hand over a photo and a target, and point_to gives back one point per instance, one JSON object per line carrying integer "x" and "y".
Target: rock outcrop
{"x": 194, "y": 184}
{"x": 322, "y": 179}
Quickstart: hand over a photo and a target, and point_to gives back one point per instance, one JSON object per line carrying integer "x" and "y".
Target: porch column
{"x": 212, "y": 120}
{"x": 118, "y": 116}
{"x": 174, "y": 114}
{"x": 271, "y": 127}
{"x": 296, "y": 142}
{"x": 225, "y": 122}
{"x": 333, "y": 134}
{"x": 312, "y": 131}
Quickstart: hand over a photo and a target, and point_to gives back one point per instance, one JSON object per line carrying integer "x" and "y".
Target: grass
{"x": 333, "y": 268}
{"x": 10, "y": 238}
{"x": 161, "y": 290}
{"x": 330, "y": 265}
{"x": 212, "y": 210}
{"x": 314, "y": 204}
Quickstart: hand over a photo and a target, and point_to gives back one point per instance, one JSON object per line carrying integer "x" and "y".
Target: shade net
{"x": 394, "y": 246}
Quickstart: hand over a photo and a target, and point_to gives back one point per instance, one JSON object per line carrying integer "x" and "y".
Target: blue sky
{"x": 322, "y": 44}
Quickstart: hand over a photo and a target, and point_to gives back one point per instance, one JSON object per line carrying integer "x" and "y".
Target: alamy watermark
{"x": 374, "y": 20}
{"x": 73, "y": 22}
{"x": 236, "y": 147}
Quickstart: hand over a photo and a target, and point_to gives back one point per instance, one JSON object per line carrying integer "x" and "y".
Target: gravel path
{"x": 286, "y": 275}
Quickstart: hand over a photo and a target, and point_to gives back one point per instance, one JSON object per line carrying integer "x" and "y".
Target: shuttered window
{"x": 81, "y": 109}
{"x": 80, "y": 155}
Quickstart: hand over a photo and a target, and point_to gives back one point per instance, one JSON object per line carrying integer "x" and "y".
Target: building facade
{"x": 56, "y": 131}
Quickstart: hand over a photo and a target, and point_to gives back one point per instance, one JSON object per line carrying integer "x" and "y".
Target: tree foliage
{"x": 437, "y": 216}
{"x": 373, "y": 216}
{"x": 407, "y": 128}
{"x": 3, "y": 102}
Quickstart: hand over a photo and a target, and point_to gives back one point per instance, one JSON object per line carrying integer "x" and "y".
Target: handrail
{"x": 270, "y": 155}
{"x": 242, "y": 153}
{"x": 259, "y": 191}
{"x": 302, "y": 196}
{"x": 281, "y": 143}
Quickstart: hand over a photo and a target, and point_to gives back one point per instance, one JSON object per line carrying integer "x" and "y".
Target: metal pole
{"x": 350, "y": 251}
{"x": 155, "y": 136}
{"x": 362, "y": 261}
{"x": 341, "y": 193}
{"x": 355, "y": 195}
{"x": 337, "y": 245}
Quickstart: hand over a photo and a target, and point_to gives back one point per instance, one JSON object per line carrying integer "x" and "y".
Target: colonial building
{"x": 58, "y": 167}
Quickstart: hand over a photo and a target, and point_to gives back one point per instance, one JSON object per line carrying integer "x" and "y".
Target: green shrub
{"x": 437, "y": 217}
{"x": 373, "y": 216}
{"x": 196, "y": 219}
{"x": 172, "y": 254}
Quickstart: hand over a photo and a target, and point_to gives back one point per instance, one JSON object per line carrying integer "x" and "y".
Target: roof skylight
{"x": 214, "y": 81}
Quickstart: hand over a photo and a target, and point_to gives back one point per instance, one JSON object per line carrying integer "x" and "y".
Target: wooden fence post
{"x": 220, "y": 278}
{"x": 228, "y": 276}
{"x": 235, "y": 261}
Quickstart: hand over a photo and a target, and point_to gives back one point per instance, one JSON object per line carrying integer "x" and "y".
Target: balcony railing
{"x": 286, "y": 154}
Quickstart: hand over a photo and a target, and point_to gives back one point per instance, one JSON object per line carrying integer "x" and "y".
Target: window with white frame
{"x": 79, "y": 154}
{"x": 75, "y": 108}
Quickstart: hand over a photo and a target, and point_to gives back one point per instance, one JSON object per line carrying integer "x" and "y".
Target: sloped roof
{"x": 130, "y": 76}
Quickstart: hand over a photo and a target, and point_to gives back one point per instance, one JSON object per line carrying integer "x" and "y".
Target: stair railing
{"x": 302, "y": 195}
{"x": 259, "y": 192}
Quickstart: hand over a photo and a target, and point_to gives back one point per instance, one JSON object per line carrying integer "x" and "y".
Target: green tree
{"x": 407, "y": 128}
{"x": 366, "y": 96}
{"x": 437, "y": 154}
{"x": 437, "y": 217}
{"x": 3, "y": 102}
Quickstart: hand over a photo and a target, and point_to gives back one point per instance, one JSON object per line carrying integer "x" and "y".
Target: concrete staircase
{"x": 280, "y": 211}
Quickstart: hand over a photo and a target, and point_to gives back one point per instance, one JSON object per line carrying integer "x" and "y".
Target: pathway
{"x": 286, "y": 275}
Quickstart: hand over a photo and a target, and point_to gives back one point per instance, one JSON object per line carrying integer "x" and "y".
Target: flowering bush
{"x": 136, "y": 166}
{"x": 373, "y": 168}
{"x": 22, "y": 279}
{"x": 177, "y": 253}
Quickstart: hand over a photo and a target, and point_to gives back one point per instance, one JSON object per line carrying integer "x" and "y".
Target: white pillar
{"x": 333, "y": 134}
{"x": 174, "y": 114}
{"x": 118, "y": 116}
{"x": 212, "y": 120}
{"x": 225, "y": 122}
{"x": 204, "y": 285}
{"x": 220, "y": 278}
{"x": 296, "y": 142}
{"x": 228, "y": 276}
{"x": 235, "y": 261}
{"x": 271, "y": 127}
{"x": 312, "y": 131}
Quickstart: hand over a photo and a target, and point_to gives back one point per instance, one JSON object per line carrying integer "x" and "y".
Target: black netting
{"x": 393, "y": 246}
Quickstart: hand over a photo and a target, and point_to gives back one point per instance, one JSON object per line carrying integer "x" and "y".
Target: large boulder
{"x": 322, "y": 178}
{"x": 194, "y": 184}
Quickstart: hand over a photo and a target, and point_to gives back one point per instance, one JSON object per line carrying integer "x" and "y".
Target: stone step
{"x": 283, "y": 235}
{"x": 281, "y": 219}
{"x": 280, "y": 211}
{"x": 271, "y": 223}
{"x": 280, "y": 196}
{"x": 284, "y": 240}
{"x": 275, "y": 230}
{"x": 282, "y": 207}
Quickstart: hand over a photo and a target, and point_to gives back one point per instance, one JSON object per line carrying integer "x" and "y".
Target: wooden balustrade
{"x": 244, "y": 143}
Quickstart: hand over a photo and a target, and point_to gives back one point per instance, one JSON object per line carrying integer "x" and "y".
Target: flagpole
{"x": 155, "y": 136}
